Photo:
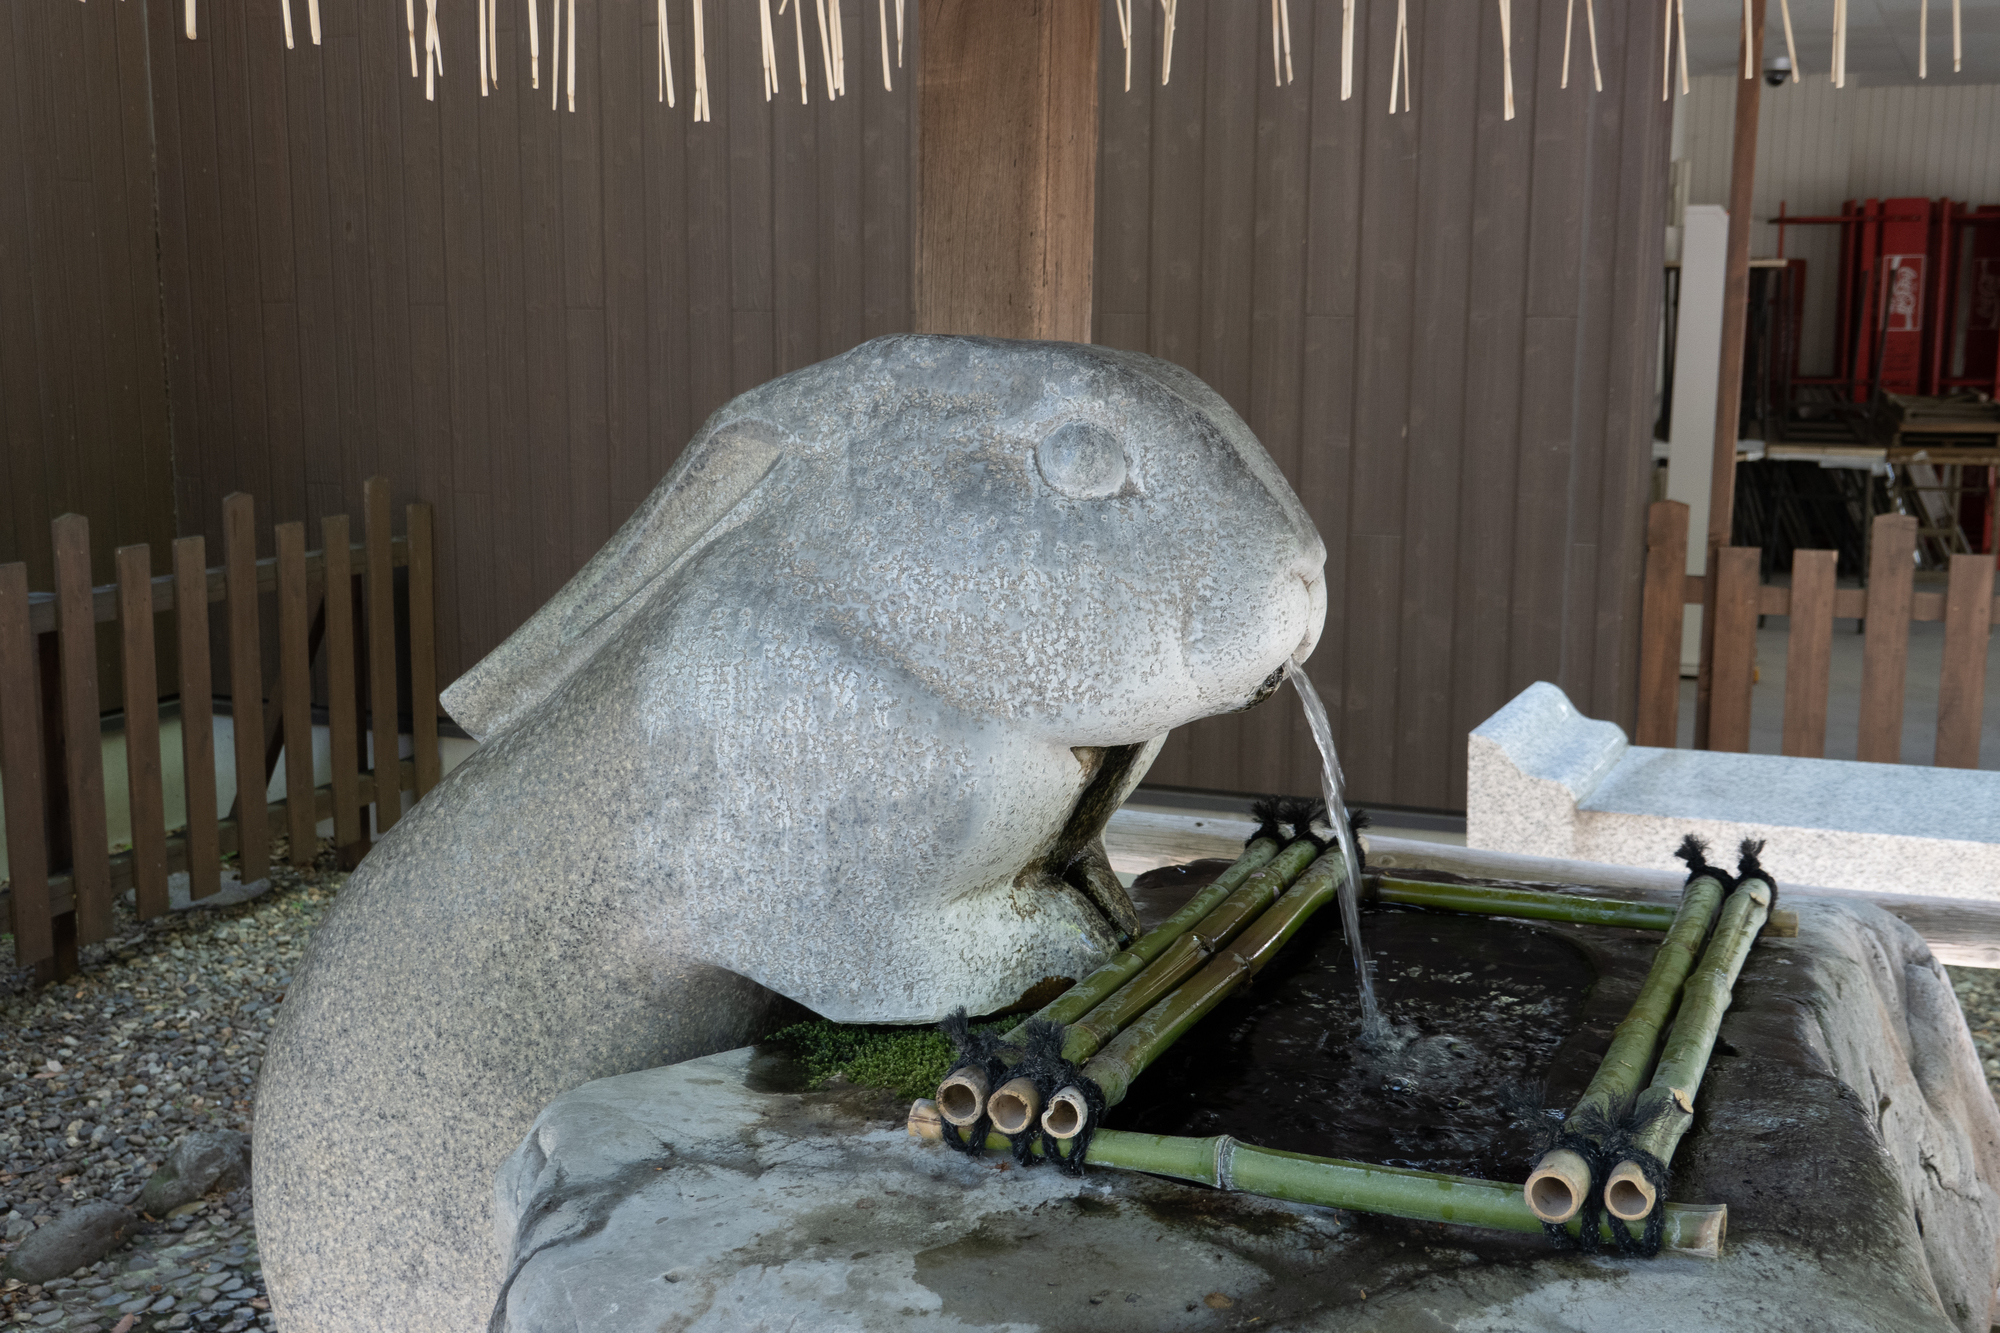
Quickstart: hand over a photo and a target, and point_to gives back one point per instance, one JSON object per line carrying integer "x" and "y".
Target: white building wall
{"x": 1818, "y": 146}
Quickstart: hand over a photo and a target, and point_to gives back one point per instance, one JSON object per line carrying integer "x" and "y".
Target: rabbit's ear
{"x": 691, "y": 506}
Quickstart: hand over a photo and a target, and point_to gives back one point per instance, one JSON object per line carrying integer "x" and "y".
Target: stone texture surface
{"x": 209, "y": 1159}
{"x": 1844, "y": 1121}
{"x": 1543, "y": 780}
{"x": 838, "y": 715}
{"x": 76, "y": 1239}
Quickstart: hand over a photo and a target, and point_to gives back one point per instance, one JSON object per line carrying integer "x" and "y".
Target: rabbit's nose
{"x": 1315, "y": 617}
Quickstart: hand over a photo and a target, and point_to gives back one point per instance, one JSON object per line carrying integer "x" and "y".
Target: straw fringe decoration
{"x": 839, "y": 52}
{"x": 702, "y": 111}
{"x": 190, "y": 19}
{"x": 767, "y": 48}
{"x": 1124, "y": 9}
{"x": 1791, "y": 47}
{"x": 1590, "y": 20}
{"x": 1839, "y": 43}
{"x": 1957, "y": 35}
{"x": 1749, "y": 42}
{"x": 1347, "y": 49}
{"x": 312, "y": 19}
{"x": 1285, "y": 21}
{"x": 899, "y": 28}
{"x": 433, "y": 51}
{"x": 1569, "y": 28}
{"x": 485, "y": 58}
{"x": 534, "y": 47}
{"x": 1170, "y": 10}
{"x": 286, "y": 6}
{"x": 1399, "y": 63}
{"x": 667, "y": 53}
{"x": 1681, "y": 20}
{"x": 1667, "y": 52}
{"x": 1923, "y": 39}
{"x": 1281, "y": 43}
{"x": 882, "y": 22}
{"x": 825, "y": 47}
{"x": 1506, "y": 56}
{"x": 799, "y": 36}
{"x": 569, "y": 58}
{"x": 555, "y": 54}
{"x": 410, "y": 26}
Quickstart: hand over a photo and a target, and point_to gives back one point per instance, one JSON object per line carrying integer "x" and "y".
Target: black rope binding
{"x": 1620, "y": 1146}
{"x": 1285, "y": 819}
{"x": 1584, "y": 1135}
{"x": 976, "y": 1050}
{"x": 1748, "y": 867}
{"x": 1043, "y": 1063}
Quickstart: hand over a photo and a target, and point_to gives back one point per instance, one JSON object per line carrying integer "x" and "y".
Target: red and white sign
{"x": 1903, "y": 288}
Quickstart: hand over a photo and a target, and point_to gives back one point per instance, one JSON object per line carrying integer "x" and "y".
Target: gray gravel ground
{"x": 162, "y": 1033}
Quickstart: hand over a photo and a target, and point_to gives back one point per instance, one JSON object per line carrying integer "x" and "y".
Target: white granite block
{"x": 1546, "y": 781}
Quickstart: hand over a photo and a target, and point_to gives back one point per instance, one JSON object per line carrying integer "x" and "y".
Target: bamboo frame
{"x": 1694, "y": 1230}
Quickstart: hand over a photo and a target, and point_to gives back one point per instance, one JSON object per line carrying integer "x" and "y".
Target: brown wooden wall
{"x": 515, "y": 313}
{"x": 1442, "y": 326}
{"x": 83, "y": 406}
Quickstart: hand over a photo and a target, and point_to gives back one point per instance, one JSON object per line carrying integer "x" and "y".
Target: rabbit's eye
{"x": 1083, "y": 461}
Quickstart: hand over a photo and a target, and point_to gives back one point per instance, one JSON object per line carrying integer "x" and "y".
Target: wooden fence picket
{"x": 381, "y": 601}
{"x": 83, "y": 748}
{"x": 1735, "y": 649}
{"x": 246, "y": 675}
{"x": 1660, "y": 624}
{"x": 1968, "y": 624}
{"x": 21, "y": 775}
{"x": 1809, "y": 652}
{"x": 1885, "y": 652}
{"x": 295, "y": 689}
{"x": 146, "y": 794}
{"x": 204, "y": 853}
{"x": 342, "y": 711}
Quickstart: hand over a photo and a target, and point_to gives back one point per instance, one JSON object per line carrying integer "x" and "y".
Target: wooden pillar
{"x": 1729, "y": 386}
{"x": 1007, "y": 167}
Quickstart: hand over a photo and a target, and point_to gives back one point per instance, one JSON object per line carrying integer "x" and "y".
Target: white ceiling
{"x": 1881, "y": 39}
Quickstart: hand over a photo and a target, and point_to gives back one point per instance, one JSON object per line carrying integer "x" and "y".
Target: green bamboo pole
{"x": 1561, "y": 1181}
{"x": 1139, "y": 1045}
{"x": 1426, "y": 1196}
{"x": 1087, "y": 994}
{"x": 1532, "y": 904}
{"x": 1665, "y": 1109}
{"x": 1088, "y": 1034}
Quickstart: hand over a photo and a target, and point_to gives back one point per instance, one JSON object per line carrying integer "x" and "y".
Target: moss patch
{"x": 908, "y": 1061}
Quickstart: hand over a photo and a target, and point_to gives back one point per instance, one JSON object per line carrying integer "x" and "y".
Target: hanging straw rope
{"x": 1749, "y": 43}
{"x": 825, "y": 47}
{"x": 410, "y": 26}
{"x": 882, "y": 22}
{"x": 799, "y": 37}
{"x": 839, "y": 51}
{"x": 555, "y": 54}
{"x": 1124, "y": 9}
{"x": 1957, "y": 36}
{"x": 433, "y": 51}
{"x": 1667, "y": 52}
{"x": 569, "y": 57}
{"x": 286, "y": 6}
{"x": 534, "y": 47}
{"x": 190, "y": 19}
{"x": 1399, "y": 64}
{"x": 1281, "y": 43}
{"x": 1285, "y": 23}
{"x": 484, "y": 58}
{"x": 702, "y": 110}
{"x": 1590, "y": 20}
{"x": 1840, "y": 43}
{"x": 1923, "y": 39}
{"x": 1507, "y": 57}
{"x": 767, "y": 48}
{"x": 899, "y": 28}
{"x": 667, "y": 56}
{"x": 312, "y": 19}
{"x": 1170, "y": 11}
{"x": 1569, "y": 27}
{"x": 1346, "y": 49}
{"x": 1791, "y": 47}
{"x": 1681, "y": 20}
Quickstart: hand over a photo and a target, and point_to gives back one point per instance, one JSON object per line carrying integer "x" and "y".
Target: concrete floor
{"x": 1843, "y": 708}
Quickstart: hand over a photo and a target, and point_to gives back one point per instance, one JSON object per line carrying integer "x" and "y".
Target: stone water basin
{"x": 1844, "y": 1121}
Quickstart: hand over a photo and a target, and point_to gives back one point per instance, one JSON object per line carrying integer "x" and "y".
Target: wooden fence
{"x": 51, "y": 760}
{"x": 1886, "y": 606}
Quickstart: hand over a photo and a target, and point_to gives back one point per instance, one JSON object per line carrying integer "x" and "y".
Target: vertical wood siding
{"x": 517, "y": 314}
{"x": 1442, "y": 326}
{"x": 83, "y": 408}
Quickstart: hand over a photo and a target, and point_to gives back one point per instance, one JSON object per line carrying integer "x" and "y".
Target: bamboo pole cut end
{"x": 1015, "y": 1106}
{"x": 1783, "y": 924}
{"x": 961, "y": 1098}
{"x": 1558, "y": 1186}
{"x": 1067, "y": 1114}
{"x": 925, "y": 1124}
{"x": 1696, "y": 1229}
{"x": 1628, "y": 1195}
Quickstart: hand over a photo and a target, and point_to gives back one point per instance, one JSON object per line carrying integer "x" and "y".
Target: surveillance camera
{"x": 1777, "y": 69}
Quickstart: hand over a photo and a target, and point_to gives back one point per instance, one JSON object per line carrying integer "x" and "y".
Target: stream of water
{"x": 1374, "y": 1030}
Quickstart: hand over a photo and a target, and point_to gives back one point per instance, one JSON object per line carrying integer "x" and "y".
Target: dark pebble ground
{"x": 162, "y": 1033}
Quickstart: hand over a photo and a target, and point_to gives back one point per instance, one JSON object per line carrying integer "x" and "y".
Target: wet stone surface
{"x": 1480, "y": 1011}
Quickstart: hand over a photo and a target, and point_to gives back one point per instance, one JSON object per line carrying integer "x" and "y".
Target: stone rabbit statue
{"x": 838, "y": 715}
